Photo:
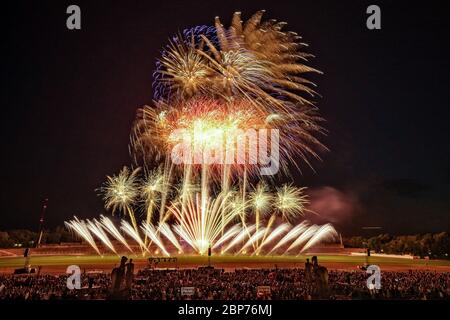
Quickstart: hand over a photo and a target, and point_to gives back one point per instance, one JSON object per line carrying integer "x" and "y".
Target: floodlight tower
{"x": 41, "y": 222}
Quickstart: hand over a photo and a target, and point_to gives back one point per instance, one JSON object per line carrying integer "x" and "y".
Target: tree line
{"x": 27, "y": 238}
{"x": 433, "y": 245}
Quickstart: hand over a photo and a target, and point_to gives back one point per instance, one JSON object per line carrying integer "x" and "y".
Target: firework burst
{"x": 256, "y": 60}
{"x": 255, "y": 67}
{"x": 121, "y": 191}
{"x": 291, "y": 201}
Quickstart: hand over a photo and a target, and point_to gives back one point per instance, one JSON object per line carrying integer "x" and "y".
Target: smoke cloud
{"x": 331, "y": 205}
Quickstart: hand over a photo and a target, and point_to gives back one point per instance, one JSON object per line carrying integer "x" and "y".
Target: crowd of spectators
{"x": 243, "y": 284}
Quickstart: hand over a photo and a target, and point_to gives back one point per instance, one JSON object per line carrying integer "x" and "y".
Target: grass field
{"x": 333, "y": 261}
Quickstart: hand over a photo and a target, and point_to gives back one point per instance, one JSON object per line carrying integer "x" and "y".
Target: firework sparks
{"x": 201, "y": 223}
{"x": 199, "y": 131}
{"x": 213, "y": 88}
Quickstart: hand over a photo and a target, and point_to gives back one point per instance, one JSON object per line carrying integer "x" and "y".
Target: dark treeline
{"x": 27, "y": 238}
{"x": 433, "y": 245}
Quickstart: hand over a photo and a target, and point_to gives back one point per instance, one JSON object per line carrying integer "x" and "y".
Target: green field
{"x": 223, "y": 261}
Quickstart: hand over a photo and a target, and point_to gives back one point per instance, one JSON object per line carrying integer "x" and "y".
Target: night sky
{"x": 69, "y": 99}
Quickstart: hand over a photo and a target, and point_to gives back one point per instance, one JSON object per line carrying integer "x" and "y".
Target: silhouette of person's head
{"x": 307, "y": 260}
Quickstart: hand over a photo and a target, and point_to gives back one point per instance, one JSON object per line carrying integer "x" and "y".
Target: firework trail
{"x": 292, "y": 234}
{"x": 233, "y": 231}
{"x": 253, "y": 239}
{"x": 281, "y": 229}
{"x": 240, "y": 237}
{"x": 152, "y": 233}
{"x": 233, "y": 238}
{"x": 260, "y": 200}
{"x": 80, "y": 228}
{"x": 306, "y": 235}
{"x": 167, "y": 232}
{"x": 131, "y": 231}
{"x": 325, "y": 232}
{"x": 96, "y": 228}
{"x": 110, "y": 227}
{"x": 151, "y": 190}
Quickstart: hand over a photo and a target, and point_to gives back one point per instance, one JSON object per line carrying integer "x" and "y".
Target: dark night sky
{"x": 69, "y": 99}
